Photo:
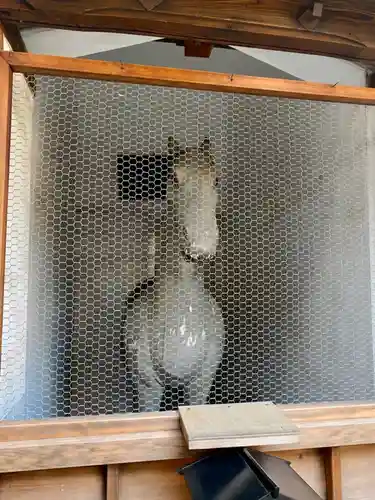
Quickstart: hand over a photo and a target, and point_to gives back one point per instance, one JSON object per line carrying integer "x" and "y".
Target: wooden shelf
{"x": 80, "y": 441}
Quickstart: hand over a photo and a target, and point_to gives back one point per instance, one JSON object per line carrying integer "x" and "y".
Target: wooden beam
{"x": 114, "y": 439}
{"x": 15, "y": 40}
{"x": 13, "y": 35}
{"x": 6, "y": 81}
{"x": 332, "y": 462}
{"x": 113, "y": 482}
{"x": 345, "y": 27}
{"x": 181, "y": 78}
{"x": 197, "y": 49}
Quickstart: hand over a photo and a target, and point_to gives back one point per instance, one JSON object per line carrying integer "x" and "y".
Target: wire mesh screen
{"x": 185, "y": 247}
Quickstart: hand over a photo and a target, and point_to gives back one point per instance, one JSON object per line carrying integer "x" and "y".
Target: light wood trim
{"x": 332, "y": 461}
{"x": 6, "y": 81}
{"x": 81, "y": 483}
{"x": 113, "y": 482}
{"x": 80, "y": 441}
{"x": 304, "y": 415}
{"x": 182, "y": 78}
{"x": 87, "y": 427}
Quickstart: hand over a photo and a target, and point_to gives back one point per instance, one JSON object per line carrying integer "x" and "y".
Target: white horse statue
{"x": 173, "y": 330}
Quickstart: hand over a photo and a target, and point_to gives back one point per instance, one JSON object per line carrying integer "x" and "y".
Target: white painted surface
{"x": 77, "y": 44}
{"x": 311, "y": 68}
{"x": 13, "y": 356}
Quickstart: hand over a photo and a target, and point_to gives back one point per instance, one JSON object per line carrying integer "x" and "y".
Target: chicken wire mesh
{"x": 169, "y": 246}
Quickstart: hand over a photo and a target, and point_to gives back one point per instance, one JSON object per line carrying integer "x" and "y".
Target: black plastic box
{"x": 238, "y": 474}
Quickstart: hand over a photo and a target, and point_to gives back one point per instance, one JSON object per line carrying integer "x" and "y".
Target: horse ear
{"x": 173, "y": 146}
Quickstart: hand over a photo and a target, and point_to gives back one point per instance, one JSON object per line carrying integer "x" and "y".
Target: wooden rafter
{"x": 345, "y": 28}
{"x": 13, "y": 35}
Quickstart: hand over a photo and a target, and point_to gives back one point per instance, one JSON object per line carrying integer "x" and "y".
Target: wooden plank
{"x": 358, "y": 465}
{"x": 308, "y": 416}
{"x": 345, "y": 28}
{"x": 83, "y": 483}
{"x": 112, "y": 440}
{"x": 237, "y": 425}
{"x": 113, "y": 482}
{"x": 333, "y": 473}
{"x": 6, "y": 80}
{"x": 154, "y": 481}
{"x": 159, "y": 480}
{"x": 86, "y": 427}
{"x": 78, "y": 452}
{"x": 192, "y": 79}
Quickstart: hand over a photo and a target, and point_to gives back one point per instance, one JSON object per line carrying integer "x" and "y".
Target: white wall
{"x": 170, "y": 55}
{"x": 13, "y": 356}
{"x": 311, "y": 68}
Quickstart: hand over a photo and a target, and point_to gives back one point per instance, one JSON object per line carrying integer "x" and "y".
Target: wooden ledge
{"x": 84, "y": 441}
{"x": 182, "y": 78}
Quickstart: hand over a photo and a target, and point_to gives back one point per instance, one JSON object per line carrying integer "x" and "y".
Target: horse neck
{"x": 169, "y": 245}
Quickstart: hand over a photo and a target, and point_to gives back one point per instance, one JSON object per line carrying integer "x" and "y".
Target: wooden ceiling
{"x": 343, "y": 28}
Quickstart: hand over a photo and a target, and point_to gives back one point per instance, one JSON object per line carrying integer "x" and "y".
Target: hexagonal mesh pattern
{"x": 184, "y": 247}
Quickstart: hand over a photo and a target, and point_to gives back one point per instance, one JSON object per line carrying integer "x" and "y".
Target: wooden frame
{"x": 24, "y": 62}
{"x": 129, "y": 438}
{"x": 6, "y": 85}
{"x": 112, "y": 440}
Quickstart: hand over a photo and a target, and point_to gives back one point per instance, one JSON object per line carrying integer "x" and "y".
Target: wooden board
{"x": 6, "y": 83}
{"x": 242, "y": 424}
{"x": 160, "y": 481}
{"x": 333, "y": 471}
{"x": 153, "y": 480}
{"x": 113, "y": 482}
{"x": 345, "y": 29}
{"x": 358, "y": 476}
{"x": 83, "y": 483}
{"x": 182, "y": 78}
{"x": 113, "y": 439}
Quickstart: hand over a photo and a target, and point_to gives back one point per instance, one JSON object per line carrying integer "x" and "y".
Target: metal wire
{"x": 99, "y": 217}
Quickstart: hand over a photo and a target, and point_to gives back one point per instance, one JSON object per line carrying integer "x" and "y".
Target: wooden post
{"x": 332, "y": 464}
{"x": 6, "y": 81}
{"x": 113, "y": 478}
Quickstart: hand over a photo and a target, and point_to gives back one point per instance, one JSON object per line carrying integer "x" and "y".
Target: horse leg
{"x": 150, "y": 390}
{"x": 198, "y": 392}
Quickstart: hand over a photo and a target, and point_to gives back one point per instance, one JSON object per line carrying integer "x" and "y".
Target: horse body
{"x": 174, "y": 331}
